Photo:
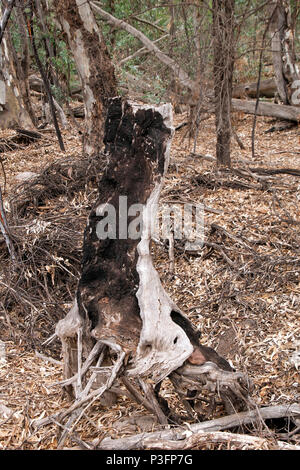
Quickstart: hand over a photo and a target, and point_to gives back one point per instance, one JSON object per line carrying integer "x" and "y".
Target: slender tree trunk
{"x": 6, "y": 14}
{"x": 223, "y": 29}
{"x": 22, "y": 65}
{"x": 93, "y": 64}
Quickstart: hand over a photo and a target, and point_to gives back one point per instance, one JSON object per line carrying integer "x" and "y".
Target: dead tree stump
{"x": 123, "y": 327}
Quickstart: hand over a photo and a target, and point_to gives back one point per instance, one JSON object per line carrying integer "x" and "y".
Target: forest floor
{"x": 242, "y": 291}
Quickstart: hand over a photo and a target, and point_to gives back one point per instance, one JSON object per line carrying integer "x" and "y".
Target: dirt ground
{"x": 244, "y": 297}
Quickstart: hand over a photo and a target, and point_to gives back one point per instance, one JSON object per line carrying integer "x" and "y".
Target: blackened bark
{"x": 120, "y": 301}
{"x": 107, "y": 291}
{"x": 109, "y": 281}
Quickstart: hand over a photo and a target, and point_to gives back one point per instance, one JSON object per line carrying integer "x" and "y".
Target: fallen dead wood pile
{"x": 21, "y": 137}
{"x": 200, "y": 435}
{"x": 46, "y": 216}
{"x": 271, "y": 257}
{"x": 250, "y": 430}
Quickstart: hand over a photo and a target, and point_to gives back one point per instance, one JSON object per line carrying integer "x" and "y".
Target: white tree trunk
{"x": 12, "y": 112}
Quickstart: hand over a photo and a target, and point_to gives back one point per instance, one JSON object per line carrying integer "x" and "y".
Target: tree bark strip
{"x": 283, "y": 51}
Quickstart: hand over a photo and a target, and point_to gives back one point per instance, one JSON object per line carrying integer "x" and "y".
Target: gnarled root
{"x": 232, "y": 388}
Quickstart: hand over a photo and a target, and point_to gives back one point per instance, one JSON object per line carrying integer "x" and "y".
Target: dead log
{"x": 267, "y": 89}
{"x": 120, "y": 301}
{"x": 177, "y": 434}
{"x": 22, "y": 137}
{"x": 28, "y": 136}
{"x": 280, "y": 111}
{"x": 77, "y": 112}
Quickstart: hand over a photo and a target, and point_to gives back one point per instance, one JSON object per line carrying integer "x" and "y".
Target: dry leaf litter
{"x": 242, "y": 289}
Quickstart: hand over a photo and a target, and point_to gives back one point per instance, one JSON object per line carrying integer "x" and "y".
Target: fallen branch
{"x": 143, "y": 440}
{"x": 267, "y": 88}
{"x": 281, "y": 126}
{"x": 121, "y": 24}
{"x": 276, "y": 171}
{"x": 85, "y": 396}
{"x": 48, "y": 359}
{"x": 243, "y": 441}
{"x": 141, "y": 51}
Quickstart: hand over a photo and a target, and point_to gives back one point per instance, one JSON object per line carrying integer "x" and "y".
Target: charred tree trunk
{"x": 283, "y": 51}
{"x": 223, "y": 29}
{"x": 120, "y": 301}
{"x": 93, "y": 65}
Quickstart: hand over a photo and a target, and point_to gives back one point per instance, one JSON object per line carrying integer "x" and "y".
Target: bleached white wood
{"x": 163, "y": 345}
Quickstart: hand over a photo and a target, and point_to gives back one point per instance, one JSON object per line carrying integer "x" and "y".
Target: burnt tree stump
{"x": 123, "y": 327}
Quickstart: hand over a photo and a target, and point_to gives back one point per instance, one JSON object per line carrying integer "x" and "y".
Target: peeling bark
{"x": 284, "y": 64}
{"x": 12, "y": 114}
{"x": 93, "y": 65}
